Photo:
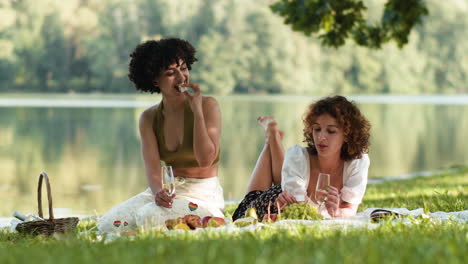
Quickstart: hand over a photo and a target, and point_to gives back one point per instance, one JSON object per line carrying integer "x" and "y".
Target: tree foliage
{"x": 243, "y": 47}
{"x": 336, "y": 20}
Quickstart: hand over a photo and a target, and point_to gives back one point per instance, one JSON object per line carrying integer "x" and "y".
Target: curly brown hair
{"x": 153, "y": 56}
{"x": 356, "y": 127}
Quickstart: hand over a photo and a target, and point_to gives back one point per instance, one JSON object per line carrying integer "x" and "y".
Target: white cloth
{"x": 458, "y": 216}
{"x": 141, "y": 210}
{"x": 296, "y": 173}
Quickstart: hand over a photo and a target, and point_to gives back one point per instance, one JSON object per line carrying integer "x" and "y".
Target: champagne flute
{"x": 320, "y": 191}
{"x": 168, "y": 180}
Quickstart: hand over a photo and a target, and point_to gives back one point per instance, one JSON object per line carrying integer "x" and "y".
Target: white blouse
{"x": 296, "y": 173}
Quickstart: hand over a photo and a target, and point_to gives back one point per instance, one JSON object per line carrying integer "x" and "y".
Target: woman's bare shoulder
{"x": 209, "y": 102}
{"x": 147, "y": 116}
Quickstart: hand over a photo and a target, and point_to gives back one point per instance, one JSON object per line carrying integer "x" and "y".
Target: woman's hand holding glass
{"x": 165, "y": 196}
{"x": 332, "y": 202}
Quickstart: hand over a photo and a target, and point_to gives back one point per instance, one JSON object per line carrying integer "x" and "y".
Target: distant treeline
{"x": 84, "y": 46}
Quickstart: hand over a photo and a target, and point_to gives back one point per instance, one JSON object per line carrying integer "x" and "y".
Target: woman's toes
{"x": 266, "y": 121}
{"x": 262, "y": 120}
{"x": 272, "y": 124}
{"x": 272, "y": 127}
{"x": 281, "y": 134}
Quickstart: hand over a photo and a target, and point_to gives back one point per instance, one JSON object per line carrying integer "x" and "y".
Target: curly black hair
{"x": 150, "y": 58}
{"x": 355, "y": 126}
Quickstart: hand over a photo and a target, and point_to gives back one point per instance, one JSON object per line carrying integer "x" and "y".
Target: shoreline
{"x": 136, "y": 100}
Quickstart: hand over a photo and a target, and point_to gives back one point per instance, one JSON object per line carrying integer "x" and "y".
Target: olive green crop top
{"x": 183, "y": 157}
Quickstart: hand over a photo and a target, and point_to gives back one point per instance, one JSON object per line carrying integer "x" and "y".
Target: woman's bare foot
{"x": 266, "y": 121}
{"x": 271, "y": 127}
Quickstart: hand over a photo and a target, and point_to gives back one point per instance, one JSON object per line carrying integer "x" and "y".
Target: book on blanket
{"x": 379, "y": 214}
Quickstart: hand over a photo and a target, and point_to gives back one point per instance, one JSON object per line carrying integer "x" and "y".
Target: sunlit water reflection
{"x": 90, "y": 145}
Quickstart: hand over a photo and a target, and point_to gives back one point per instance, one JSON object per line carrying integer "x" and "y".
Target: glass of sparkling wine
{"x": 168, "y": 180}
{"x": 320, "y": 191}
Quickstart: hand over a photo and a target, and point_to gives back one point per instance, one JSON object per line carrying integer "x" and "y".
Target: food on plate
{"x": 171, "y": 223}
{"x": 213, "y": 221}
{"x": 182, "y": 226}
{"x": 193, "y": 221}
{"x": 251, "y": 213}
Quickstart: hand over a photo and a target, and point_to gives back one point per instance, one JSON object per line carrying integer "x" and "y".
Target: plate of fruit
{"x": 192, "y": 222}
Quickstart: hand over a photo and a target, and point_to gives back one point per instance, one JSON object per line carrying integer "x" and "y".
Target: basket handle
{"x": 49, "y": 195}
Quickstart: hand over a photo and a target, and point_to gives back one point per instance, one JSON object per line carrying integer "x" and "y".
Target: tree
{"x": 336, "y": 20}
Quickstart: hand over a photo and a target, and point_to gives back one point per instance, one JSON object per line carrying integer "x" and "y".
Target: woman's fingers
{"x": 333, "y": 197}
{"x": 195, "y": 87}
{"x": 161, "y": 203}
{"x": 280, "y": 201}
{"x": 194, "y": 99}
{"x": 331, "y": 192}
{"x": 289, "y": 198}
{"x": 332, "y": 189}
{"x": 332, "y": 200}
{"x": 332, "y": 205}
{"x": 164, "y": 200}
{"x": 323, "y": 192}
{"x": 284, "y": 199}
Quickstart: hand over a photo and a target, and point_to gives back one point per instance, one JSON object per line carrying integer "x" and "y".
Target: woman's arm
{"x": 295, "y": 172}
{"x": 206, "y": 126}
{"x": 336, "y": 207}
{"x": 207, "y": 132}
{"x": 354, "y": 186}
{"x": 347, "y": 209}
{"x": 151, "y": 158}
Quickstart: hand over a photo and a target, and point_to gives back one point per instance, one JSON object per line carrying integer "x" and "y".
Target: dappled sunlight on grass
{"x": 446, "y": 192}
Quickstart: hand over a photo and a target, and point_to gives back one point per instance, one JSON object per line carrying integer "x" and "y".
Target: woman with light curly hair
{"x": 337, "y": 138}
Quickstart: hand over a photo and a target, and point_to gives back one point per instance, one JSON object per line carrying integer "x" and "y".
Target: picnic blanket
{"x": 361, "y": 220}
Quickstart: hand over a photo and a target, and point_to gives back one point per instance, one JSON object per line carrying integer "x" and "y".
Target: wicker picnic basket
{"x": 51, "y": 225}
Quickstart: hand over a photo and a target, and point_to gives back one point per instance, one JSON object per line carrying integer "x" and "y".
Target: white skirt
{"x": 202, "y": 197}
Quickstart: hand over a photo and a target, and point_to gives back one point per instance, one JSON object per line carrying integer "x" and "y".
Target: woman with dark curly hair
{"x": 337, "y": 138}
{"x": 183, "y": 130}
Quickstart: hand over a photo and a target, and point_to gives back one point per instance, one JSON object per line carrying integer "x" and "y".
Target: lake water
{"x": 89, "y": 145}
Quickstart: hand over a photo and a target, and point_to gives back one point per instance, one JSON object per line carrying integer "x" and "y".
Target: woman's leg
{"x": 123, "y": 215}
{"x": 267, "y": 171}
{"x": 277, "y": 154}
{"x": 262, "y": 201}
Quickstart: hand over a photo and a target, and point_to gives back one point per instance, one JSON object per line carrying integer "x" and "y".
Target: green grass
{"x": 444, "y": 192}
{"x": 424, "y": 241}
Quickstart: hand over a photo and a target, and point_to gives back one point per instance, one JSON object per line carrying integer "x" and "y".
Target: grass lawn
{"x": 424, "y": 241}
